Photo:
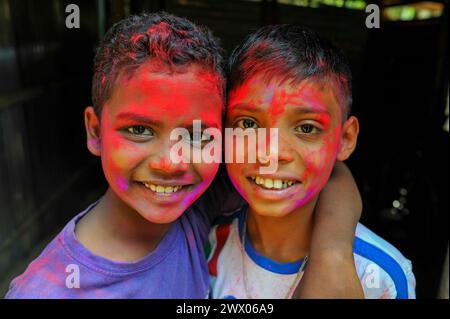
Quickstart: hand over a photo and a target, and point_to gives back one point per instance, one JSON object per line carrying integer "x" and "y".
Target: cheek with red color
{"x": 238, "y": 171}
{"x": 119, "y": 156}
{"x": 319, "y": 163}
{"x": 122, "y": 183}
{"x": 119, "y": 162}
{"x": 207, "y": 172}
{"x": 237, "y": 176}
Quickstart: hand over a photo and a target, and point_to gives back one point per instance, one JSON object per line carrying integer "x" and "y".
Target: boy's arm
{"x": 331, "y": 271}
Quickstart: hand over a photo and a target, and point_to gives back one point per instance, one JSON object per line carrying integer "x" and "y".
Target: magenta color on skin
{"x": 309, "y": 157}
{"x": 122, "y": 183}
{"x": 130, "y": 159}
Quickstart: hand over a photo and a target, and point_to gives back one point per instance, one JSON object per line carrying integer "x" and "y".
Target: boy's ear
{"x": 349, "y": 137}
{"x": 92, "y": 124}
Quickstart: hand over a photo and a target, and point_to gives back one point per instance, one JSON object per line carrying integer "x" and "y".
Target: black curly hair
{"x": 172, "y": 40}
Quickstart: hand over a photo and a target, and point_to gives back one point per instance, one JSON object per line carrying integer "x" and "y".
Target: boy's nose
{"x": 162, "y": 162}
{"x": 281, "y": 151}
{"x": 285, "y": 151}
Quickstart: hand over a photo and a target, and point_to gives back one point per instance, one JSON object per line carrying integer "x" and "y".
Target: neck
{"x": 115, "y": 231}
{"x": 282, "y": 239}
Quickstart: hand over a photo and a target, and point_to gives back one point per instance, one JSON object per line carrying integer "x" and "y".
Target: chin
{"x": 161, "y": 217}
{"x": 156, "y": 214}
{"x": 272, "y": 209}
{"x": 278, "y": 208}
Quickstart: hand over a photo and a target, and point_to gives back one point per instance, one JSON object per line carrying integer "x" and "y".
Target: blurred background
{"x": 401, "y": 93}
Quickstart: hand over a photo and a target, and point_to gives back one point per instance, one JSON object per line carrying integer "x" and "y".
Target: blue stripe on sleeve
{"x": 389, "y": 264}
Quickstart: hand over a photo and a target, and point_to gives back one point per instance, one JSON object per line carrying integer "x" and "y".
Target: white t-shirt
{"x": 384, "y": 272}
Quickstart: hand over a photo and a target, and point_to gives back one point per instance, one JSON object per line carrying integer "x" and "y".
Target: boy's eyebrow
{"x": 205, "y": 125}
{"x": 309, "y": 110}
{"x": 245, "y": 107}
{"x": 138, "y": 118}
{"x": 145, "y": 119}
{"x": 296, "y": 109}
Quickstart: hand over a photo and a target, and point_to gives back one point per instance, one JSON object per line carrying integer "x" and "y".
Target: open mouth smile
{"x": 166, "y": 191}
{"x": 272, "y": 184}
{"x": 163, "y": 189}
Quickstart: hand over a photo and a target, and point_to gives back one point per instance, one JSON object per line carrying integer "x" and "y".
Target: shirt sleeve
{"x": 411, "y": 279}
{"x": 378, "y": 283}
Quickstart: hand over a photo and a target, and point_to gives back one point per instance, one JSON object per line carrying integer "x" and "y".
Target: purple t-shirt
{"x": 175, "y": 269}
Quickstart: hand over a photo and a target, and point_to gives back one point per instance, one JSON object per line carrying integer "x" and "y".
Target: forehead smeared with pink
{"x": 292, "y": 54}
{"x": 172, "y": 42}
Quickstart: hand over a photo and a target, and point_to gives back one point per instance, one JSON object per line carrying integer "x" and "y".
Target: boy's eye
{"x": 139, "y": 130}
{"x": 307, "y": 129}
{"x": 247, "y": 123}
{"x": 196, "y": 136}
{"x": 196, "y": 139}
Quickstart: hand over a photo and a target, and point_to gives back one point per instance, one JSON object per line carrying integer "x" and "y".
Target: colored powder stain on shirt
{"x": 175, "y": 269}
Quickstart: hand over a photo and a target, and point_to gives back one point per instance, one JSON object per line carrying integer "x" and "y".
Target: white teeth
{"x": 168, "y": 189}
{"x": 272, "y": 183}
{"x": 268, "y": 183}
{"x": 277, "y": 184}
{"x": 162, "y": 189}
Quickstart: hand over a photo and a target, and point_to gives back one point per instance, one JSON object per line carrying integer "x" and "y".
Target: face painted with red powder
{"x": 135, "y": 144}
{"x": 311, "y": 137}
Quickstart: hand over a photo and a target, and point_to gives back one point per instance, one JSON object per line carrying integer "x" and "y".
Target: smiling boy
{"x": 142, "y": 239}
{"x": 154, "y": 74}
{"x": 289, "y": 78}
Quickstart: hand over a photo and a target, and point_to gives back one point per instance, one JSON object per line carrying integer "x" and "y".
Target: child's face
{"x": 135, "y": 143}
{"x": 309, "y": 121}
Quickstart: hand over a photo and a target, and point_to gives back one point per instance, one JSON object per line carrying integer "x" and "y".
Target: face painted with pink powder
{"x": 309, "y": 121}
{"x": 136, "y": 123}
